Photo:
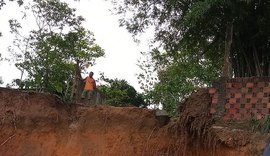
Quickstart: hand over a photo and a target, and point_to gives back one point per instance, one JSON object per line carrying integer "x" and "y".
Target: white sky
{"x": 121, "y": 52}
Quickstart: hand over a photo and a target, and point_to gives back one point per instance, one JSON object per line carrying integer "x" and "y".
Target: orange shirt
{"x": 90, "y": 83}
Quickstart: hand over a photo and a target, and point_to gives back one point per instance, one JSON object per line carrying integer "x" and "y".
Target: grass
{"x": 262, "y": 126}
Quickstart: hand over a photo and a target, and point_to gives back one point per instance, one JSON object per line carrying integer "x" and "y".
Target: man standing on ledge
{"x": 90, "y": 86}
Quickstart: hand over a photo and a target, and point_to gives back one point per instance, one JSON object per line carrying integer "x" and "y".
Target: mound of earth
{"x": 40, "y": 124}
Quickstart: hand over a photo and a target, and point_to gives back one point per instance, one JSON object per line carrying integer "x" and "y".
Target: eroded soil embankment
{"x": 40, "y": 124}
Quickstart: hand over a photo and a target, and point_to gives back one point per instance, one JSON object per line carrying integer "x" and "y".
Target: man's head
{"x": 91, "y": 74}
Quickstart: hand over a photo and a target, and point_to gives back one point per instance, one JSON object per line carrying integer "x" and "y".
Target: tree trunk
{"x": 268, "y": 74}
{"x": 227, "y": 71}
{"x": 248, "y": 71}
{"x": 77, "y": 83}
{"x": 257, "y": 62}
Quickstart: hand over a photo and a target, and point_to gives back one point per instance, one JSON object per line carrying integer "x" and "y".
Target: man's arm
{"x": 94, "y": 85}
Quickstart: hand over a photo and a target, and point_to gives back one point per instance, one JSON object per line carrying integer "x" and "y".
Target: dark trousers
{"x": 88, "y": 92}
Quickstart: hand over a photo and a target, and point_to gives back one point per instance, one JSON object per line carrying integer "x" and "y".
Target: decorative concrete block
{"x": 238, "y": 95}
{"x": 265, "y": 111}
{"x": 260, "y": 84}
{"x": 227, "y": 105}
{"x": 265, "y": 100}
{"x": 212, "y": 90}
{"x": 253, "y": 100}
{"x": 232, "y": 100}
{"x": 229, "y": 85}
{"x": 237, "y": 105}
{"x": 237, "y": 85}
{"x": 266, "y": 89}
{"x": 250, "y": 85}
{"x": 249, "y": 95}
{"x": 260, "y": 95}
{"x": 248, "y": 105}
{"x": 244, "y": 90}
{"x": 242, "y": 111}
{"x": 232, "y": 111}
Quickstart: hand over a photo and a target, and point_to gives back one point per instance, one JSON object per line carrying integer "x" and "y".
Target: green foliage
{"x": 176, "y": 79}
{"x": 262, "y": 126}
{"x": 254, "y": 124}
{"x": 198, "y": 11}
{"x": 120, "y": 93}
{"x": 48, "y": 54}
{"x": 200, "y": 27}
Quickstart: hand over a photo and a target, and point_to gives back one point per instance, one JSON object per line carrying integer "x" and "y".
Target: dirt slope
{"x": 35, "y": 124}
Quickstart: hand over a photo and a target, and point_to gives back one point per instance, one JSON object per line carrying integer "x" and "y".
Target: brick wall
{"x": 241, "y": 98}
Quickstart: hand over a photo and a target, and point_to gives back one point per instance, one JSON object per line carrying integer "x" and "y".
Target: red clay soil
{"x": 36, "y": 124}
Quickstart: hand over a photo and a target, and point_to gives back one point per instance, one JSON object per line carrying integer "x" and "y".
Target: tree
{"x": 120, "y": 93}
{"x": 204, "y": 25}
{"x": 175, "y": 80}
{"x": 200, "y": 40}
{"x": 48, "y": 54}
